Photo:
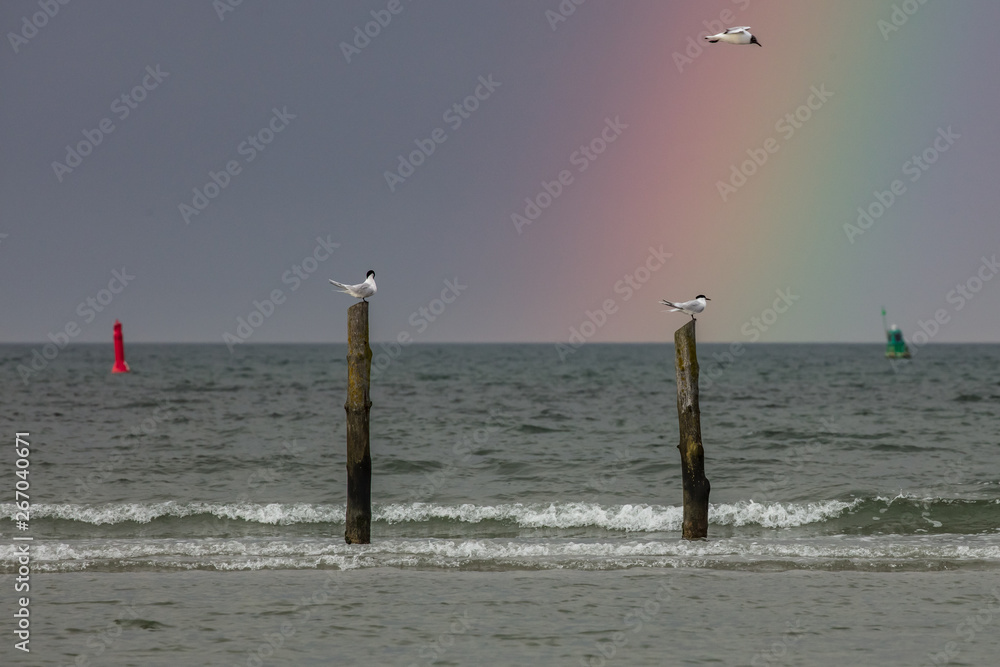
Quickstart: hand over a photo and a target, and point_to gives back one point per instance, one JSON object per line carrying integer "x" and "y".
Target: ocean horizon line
{"x": 526, "y": 343}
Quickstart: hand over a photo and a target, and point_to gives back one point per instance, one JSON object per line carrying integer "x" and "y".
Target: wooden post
{"x": 696, "y": 486}
{"x": 358, "y": 406}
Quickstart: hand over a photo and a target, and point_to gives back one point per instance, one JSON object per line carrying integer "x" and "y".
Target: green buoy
{"x": 895, "y": 346}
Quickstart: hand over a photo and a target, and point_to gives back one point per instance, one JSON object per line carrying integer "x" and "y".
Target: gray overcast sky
{"x": 202, "y": 87}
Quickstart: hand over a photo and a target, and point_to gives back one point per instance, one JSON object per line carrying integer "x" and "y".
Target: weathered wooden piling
{"x": 696, "y": 485}
{"x": 358, "y": 407}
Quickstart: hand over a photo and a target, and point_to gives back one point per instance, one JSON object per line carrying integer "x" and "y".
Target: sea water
{"x": 526, "y": 507}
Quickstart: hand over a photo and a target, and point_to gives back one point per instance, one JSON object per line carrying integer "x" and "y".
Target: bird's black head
{"x": 702, "y": 296}
{"x": 370, "y": 274}
{"x": 753, "y": 40}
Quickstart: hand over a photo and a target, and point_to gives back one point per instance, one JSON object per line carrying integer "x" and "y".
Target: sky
{"x": 517, "y": 171}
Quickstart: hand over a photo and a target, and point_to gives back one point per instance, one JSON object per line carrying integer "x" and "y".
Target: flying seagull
{"x": 739, "y": 35}
{"x": 688, "y": 307}
{"x": 362, "y": 291}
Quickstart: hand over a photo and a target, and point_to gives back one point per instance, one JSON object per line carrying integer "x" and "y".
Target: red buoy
{"x": 120, "y": 365}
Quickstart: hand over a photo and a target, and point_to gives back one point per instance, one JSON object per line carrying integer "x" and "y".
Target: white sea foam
{"x": 309, "y": 553}
{"x": 777, "y": 515}
{"x": 646, "y": 518}
{"x": 628, "y": 518}
{"x": 551, "y": 515}
{"x": 113, "y": 513}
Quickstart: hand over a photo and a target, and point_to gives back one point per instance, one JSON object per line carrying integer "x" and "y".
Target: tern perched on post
{"x": 362, "y": 291}
{"x": 688, "y": 307}
{"x": 739, "y": 35}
